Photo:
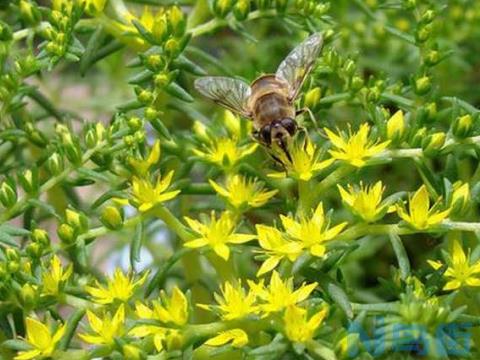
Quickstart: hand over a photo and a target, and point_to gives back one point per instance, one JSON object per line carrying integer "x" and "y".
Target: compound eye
{"x": 266, "y": 135}
{"x": 289, "y": 124}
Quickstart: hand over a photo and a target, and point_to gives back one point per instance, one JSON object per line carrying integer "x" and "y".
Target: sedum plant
{"x": 139, "y": 221}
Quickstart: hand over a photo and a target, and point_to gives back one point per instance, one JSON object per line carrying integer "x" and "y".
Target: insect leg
{"x": 310, "y": 115}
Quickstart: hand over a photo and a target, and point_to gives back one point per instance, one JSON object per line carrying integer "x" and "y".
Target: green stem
{"x": 304, "y": 197}
{"x": 173, "y": 223}
{"x": 216, "y": 23}
{"x": 329, "y": 181}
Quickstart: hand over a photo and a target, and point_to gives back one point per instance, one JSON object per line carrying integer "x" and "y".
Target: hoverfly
{"x": 270, "y": 100}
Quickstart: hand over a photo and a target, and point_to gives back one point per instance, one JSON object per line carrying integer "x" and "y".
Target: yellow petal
{"x": 238, "y": 337}
{"x": 38, "y": 334}
{"x": 268, "y": 265}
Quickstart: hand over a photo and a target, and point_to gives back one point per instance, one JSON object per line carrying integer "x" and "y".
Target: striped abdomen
{"x": 271, "y": 107}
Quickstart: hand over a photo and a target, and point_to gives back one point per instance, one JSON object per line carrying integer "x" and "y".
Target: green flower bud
{"x": 139, "y": 136}
{"x": 396, "y": 127}
{"x": 67, "y": 234}
{"x": 222, "y": 7}
{"x": 172, "y": 48}
{"x": 162, "y": 79}
{"x": 160, "y": 28}
{"x": 132, "y": 352}
{"x": 423, "y": 85}
{"x": 200, "y": 130}
{"x": 129, "y": 140}
{"x": 12, "y": 254}
{"x": 8, "y": 194}
{"x": 41, "y": 237}
{"x": 145, "y": 96}
{"x": 155, "y": 62}
{"x": 135, "y": 123}
{"x": 76, "y": 219}
{"x": 462, "y": 126}
{"x": 55, "y": 164}
{"x": 28, "y": 296}
{"x": 328, "y": 35}
{"x": 460, "y": 198}
{"x": 26, "y": 65}
{"x": 410, "y": 4}
{"x": 357, "y": 83}
{"x": 263, "y": 4}
{"x": 177, "y": 20}
{"x": 34, "y": 250}
{"x": 241, "y": 9}
{"x": 95, "y": 7}
{"x": 29, "y": 181}
{"x": 35, "y": 136}
{"x": 321, "y": 9}
{"x": 432, "y": 58}
{"x": 419, "y": 137}
{"x": 13, "y": 266}
{"x": 112, "y": 217}
{"x": 151, "y": 113}
{"x": 312, "y": 97}
{"x": 433, "y": 143}
{"x": 423, "y": 33}
{"x": 30, "y": 12}
{"x": 373, "y": 94}
{"x": 428, "y": 16}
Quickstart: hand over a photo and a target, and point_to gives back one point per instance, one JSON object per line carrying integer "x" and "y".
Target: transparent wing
{"x": 296, "y": 66}
{"x": 230, "y": 93}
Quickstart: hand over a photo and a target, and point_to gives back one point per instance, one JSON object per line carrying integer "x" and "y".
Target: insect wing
{"x": 297, "y": 65}
{"x": 230, "y": 93}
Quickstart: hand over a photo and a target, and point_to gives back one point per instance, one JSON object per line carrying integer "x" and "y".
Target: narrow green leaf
{"x": 136, "y": 245}
{"x": 45, "y": 103}
{"x": 158, "y": 125}
{"x": 94, "y": 43}
{"x": 401, "y": 254}
{"x": 179, "y": 92}
{"x": 401, "y": 35}
{"x": 184, "y": 63}
{"x": 18, "y": 345}
{"x": 72, "y": 325}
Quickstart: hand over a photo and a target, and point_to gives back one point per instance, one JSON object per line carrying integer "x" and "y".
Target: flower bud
{"x": 30, "y": 12}
{"x": 94, "y": 135}
{"x": 55, "y": 164}
{"x": 263, "y": 4}
{"x": 173, "y": 47}
{"x": 76, "y": 219}
{"x": 135, "y": 123}
{"x": 144, "y": 96}
{"x": 423, "y": 33}
{"x": 67, "y": 234}
{"x": 112, "y": 218}
{"x": 34, "y": 250}
{"x": 29, "y": 181}
{"x": 241, "y": 9}
{"x": 432, "y": 58}
{"x": 177, "y": 20}
{"x": 12, "y": 255}
{"x": 154, "y": 62}
{"x": 26, "y": 65}
{"x": 222, "y": 7}
{"x": 41, "y": 237}
{"x": 321, "y": 9}
{"x": 433, "y": 143}
{"x": 357, "y": 83}
{"x": 232, "y": 123}
{"x": 8, "y": 194}
{"x": 462, "y": 126}
{"x": 396, "y": 126}
{"x": 151, "y": 113}
{"x": 94, "y": 7}
{"x": 423, "y": 85}
{"x": 428, "y": 16}
{"x": 460, "y": 198}
{"x": 28, "y": 295}
{"x": 160, "y": 28}
{"x": 162, "y": 79}
{"x": 312, "y": 98}
{"x": 419, "y": 137}
{"x": 200, "y": 130}
{"x": 132, "y": 352}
